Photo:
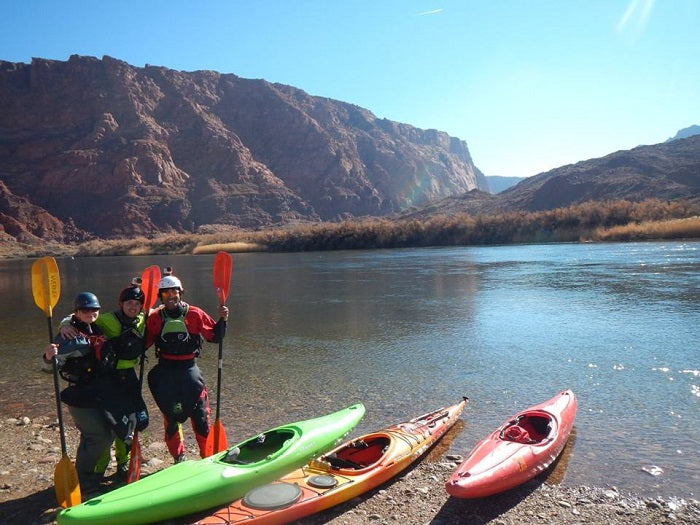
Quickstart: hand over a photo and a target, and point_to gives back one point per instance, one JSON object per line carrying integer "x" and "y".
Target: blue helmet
{"x": 86, "y": 300}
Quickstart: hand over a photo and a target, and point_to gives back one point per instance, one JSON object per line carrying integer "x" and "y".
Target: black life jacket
{"x": 174, "y": 341}
{"x": 123, "y": 350}
{"x": 77, "y": 358}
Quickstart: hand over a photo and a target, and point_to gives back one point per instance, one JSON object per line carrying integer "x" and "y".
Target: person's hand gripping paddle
{"x": 216, "y": 440}
{"x": 46, "y": 288}
{"x": 149, "y": 285}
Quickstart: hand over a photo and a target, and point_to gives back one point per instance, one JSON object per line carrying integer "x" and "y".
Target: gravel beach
{"x": 30, "y": 449}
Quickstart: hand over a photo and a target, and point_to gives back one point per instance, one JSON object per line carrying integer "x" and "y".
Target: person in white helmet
{"x": 178, "y": 330}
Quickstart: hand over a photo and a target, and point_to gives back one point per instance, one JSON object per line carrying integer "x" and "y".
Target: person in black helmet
{"x": 178, "y": 330}
{"x": 77, "y": 364}
{"x": 118, "y": 388}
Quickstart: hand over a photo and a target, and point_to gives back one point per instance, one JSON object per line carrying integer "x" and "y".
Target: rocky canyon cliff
{"x": 99, "y": 147}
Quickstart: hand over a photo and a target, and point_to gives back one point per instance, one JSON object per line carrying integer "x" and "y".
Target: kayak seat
{"x": 337, "y": 462}
{"x": 517, "y": 434}
{"x": 232, "y": 456}
{"x": 527, "y": 429}
{"x": 364, "y": 453}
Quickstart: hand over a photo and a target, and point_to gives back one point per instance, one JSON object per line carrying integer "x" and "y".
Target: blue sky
{"x": 530, "y": 85}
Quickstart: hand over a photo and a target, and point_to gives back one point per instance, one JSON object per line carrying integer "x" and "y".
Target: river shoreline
{"x": 30, "y": 449}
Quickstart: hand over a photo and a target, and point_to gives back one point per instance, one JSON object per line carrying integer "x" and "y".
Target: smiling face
{"x": 131, "y": 308}
{"x": 170, "y": 297}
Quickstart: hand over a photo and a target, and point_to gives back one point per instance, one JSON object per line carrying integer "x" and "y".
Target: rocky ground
{"x": 30, "y": 449}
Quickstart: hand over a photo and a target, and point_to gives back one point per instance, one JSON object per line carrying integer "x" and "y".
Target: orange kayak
{"x": 341, "y": 474}
{"x": 517, "y": 451}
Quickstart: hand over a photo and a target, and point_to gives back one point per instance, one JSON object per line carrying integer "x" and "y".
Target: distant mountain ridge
{"x": 497, "y": 183}
{"x": 667, "y": 171}
{"x": 686, "y": 132}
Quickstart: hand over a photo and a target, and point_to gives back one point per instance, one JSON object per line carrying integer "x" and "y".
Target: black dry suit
{"x": 177, "y": 382}
{"x": 118, "y": 387}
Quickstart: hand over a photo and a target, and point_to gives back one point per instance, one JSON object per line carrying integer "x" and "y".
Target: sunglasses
{"x": 88, "y": 310}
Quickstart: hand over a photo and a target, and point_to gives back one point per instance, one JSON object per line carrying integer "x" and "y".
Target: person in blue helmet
{"x": 77, "y": 364}
{"x": 118, "y": 386}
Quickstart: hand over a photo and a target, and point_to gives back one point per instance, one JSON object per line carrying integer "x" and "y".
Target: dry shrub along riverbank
{"x": 608, "y": 221}
{"x": 594, "y": 221}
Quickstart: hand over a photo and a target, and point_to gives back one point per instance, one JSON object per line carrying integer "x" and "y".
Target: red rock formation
{"x": 122, "y": 150}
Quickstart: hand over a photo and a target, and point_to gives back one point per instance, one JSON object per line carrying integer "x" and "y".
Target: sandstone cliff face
{"x": 118, "y": 150}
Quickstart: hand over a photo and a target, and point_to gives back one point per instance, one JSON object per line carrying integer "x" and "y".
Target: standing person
{"x": 117, "y": 388}
{"x": 178, "y": 329}
{"x": 77, "y": 364}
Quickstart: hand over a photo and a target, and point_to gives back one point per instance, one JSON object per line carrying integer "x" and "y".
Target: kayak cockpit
{"x": 531, "y": 428}
{"x": 359, "y": 454}
{"x": 260, "y": 448}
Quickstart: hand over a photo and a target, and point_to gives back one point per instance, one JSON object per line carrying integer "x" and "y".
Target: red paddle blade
{"x": 134, "y": 472}
{"x": 216, "y": 440}
{"x": 149, "y": 285}
{"x": 222, "y": 275}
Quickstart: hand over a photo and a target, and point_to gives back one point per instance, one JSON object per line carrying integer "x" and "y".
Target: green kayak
{"x": 192, "y": 486}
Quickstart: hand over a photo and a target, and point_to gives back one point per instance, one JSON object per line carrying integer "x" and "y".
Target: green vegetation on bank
{"x": 592, "y": 221}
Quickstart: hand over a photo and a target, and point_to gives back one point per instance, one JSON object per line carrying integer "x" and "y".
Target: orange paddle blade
{"x": 66, "y": 483}
{"x": 216, "y": 440}
{"x": 220, "y": 443}
{"x": 134, "y": 461}
{"x": 222, "y": 275}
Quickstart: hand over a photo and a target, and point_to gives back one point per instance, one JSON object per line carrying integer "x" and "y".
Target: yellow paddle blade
{"x": 65, "y": 479}
{"x": 46, "y": 284}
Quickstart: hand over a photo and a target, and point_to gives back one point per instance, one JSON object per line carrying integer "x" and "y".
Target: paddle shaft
{"x": 218, "y": 380}
{"x": 57, "y": 393}
{"x": 46, "y": 288}
{"x": 222, "y": 279}
{"x": 149, "y": 283}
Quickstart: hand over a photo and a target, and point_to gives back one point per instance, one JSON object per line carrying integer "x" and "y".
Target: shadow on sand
{"x": 36, "y": 509}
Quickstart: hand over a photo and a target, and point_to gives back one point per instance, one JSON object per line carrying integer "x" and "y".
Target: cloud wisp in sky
{"x": 635, "y": 18}
{"x": 433, "y": 12}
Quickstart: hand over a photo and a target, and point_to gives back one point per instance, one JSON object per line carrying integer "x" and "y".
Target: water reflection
{"x": 405, "y": 331}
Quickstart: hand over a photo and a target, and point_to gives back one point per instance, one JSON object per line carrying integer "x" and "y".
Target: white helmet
{"x": 169, "y": 281}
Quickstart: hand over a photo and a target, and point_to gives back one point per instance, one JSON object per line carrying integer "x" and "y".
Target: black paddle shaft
{"x": 218, "y": 380}
{"x": 59, "y": 410}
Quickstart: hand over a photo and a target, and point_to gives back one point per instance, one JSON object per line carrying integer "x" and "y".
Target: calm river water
{"x": 406, "y": 331}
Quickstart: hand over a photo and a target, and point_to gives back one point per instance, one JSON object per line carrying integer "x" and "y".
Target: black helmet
{"x": 86, "y": 300}
{"x": 132, "y": 292}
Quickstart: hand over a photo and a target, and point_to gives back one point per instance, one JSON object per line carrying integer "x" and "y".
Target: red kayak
{"x": 517, "y": 451}
{"x": 351, "y": 469}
